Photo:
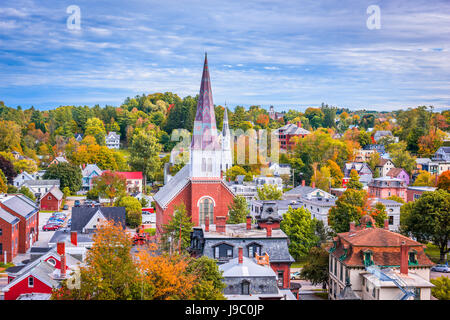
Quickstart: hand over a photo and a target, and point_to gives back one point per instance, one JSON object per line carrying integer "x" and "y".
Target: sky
{"x": 289, "y": 54}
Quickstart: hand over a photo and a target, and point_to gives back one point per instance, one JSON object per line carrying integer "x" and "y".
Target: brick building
{"x": 287, "y": 132}
{"x": 27, "y": 212}
{"x": 385, "y": 187}
{"x": 9, "y": 236}
{"x": 199, "y": 185}
{"x": 370, "y": 258}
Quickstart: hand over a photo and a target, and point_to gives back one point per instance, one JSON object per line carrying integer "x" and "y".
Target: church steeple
{"x": 205, "y": 129}
{"x": 205, "y": 146}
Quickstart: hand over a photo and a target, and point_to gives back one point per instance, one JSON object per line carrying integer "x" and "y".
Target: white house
{"x": 20, "y": 179}
{"x": 112, "y": 140}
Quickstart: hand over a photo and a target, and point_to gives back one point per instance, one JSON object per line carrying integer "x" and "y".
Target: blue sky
{"x": 282, "y": 53}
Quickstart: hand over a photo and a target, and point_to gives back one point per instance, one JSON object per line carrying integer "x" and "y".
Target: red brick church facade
{"x": 199, "y": 184}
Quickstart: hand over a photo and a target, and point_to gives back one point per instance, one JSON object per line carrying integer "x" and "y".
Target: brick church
{"x": 199, "y": 185}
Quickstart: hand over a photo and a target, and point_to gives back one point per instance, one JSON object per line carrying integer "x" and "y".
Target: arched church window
{"x": 206, "y": 208}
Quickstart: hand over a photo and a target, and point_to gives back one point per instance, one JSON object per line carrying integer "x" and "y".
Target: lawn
{"x": 432, "y": 251}
{"x": 299, "y": 264}
{"x": 151, "y": 231}
{"x": 322, "y": 294}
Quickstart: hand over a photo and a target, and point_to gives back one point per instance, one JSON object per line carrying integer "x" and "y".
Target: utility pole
{"x": 179, "y": 241}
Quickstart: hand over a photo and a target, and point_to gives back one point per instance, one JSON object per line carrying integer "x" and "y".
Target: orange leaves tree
{"x": 113, "y": 272}
{"x": 110, "y": 184}
{"x": 444, "y": 181}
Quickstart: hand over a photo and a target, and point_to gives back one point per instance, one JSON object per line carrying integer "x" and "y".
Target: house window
{"x": 1, "y": 231}
{"x": 223, "y": 251}
{"x": 413, "y": 257}
{"x": 254, "y": 249}
{"x": 341, "y": 272}
{"x": 391, "y": 220}
{"x": 368, "y": 258}
{"x": 280, "y": 278}
{"x": 416, "y": 293}
{"x": 1, "y": 248}
{"x": 52, "y": 261}
{"x": 335, "y": 267}
{"x": 245, "y": 288}
{"x": 30, "y": 282}
{"x": 49, "y": 198}
{"x": 206, "y": 207}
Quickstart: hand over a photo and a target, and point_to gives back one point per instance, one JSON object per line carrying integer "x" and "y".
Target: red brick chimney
{"x": 313, "y": 185}
{"x": 352, "y": 227}
{"x": 74, "y": 238}
{"x": 404, "y": 258}
{"x": 249, "y": 222}
{"x": 241, "y": 255}
{"x": 206, "y": 223}
{"x": 269, "y": 230}
{"x": 61, "y": 248}
{"x": 303, "y": 183}
{"x": 220, "y": 224}
{"x": 299, "y": 124}
{"x": 63, "y": 266}
{"x": 386, "y": 224}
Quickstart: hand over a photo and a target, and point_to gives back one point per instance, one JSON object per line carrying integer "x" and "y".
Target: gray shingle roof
{"x": 32, "y": 183}
{"x": 248, "y": 268}
{"x": 21, "y": 204}
{"x": 300, "y": 191}
{"x": 8, "y": 217}
{"x": 173, "y": 187}
{"x": 82, "y": 215}
{"x": 55, "y": 192}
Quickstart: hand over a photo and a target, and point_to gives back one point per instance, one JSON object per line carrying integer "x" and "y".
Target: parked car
{"x": 55, "y": 221}
{"x": 65, "y": 207}
{"x": 441, "y": 268}
{"x": 295, "y": 276}
{"x": 77, "y": 203}
{"x": 50, "y": 227}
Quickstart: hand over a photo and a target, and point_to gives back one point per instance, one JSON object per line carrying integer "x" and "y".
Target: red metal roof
{"x": 131, "y": 175}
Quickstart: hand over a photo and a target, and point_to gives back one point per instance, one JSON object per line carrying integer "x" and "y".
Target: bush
{"x": 134, "y": 218}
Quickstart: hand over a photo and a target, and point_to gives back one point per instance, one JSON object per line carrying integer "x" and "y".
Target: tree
{"x": 322, "y": 178}
{"x": 444, "y": 181}
{"x": 26, "y": 192}
{"x": 235, "y": 171}
{"x": 69, "y": 175}
{"x": 133, "y": 210}
{"x": 8, "y": 169}
{"x": 3, "y": 186}
{"x": 180, "y": 224}
{"x": 66, "y": 191}
{"x": 109, "y": 272}
{"x": 238, "y": 210}
{"x": 396, "y": 198}
{"x": 348, "y": 209}
{"x": 336, "y": 174}
{"x": 269, "y": 192}
{"x": 354, "y": 183}
{"x": 96, "y": 128}
{"x": 110, "y": 184}
{"x": 316, "y": 267}
{"x": 300, "y": 228}
{"x": 25, "y": 165}
{"x": 441, "y": 289}
{"x": 428, "y": 219}
{"x": 144, "y": 154}
{"x": 401, "y": 157}
{"x": 209, "y": 284}
{"x": 425, "y": 179}
{"x": 374, "y": 159}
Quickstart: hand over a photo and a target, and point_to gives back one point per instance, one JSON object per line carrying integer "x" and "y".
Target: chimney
{"x": 313, "y": 185}
{"x": 404, "y": 258}
{"x": 61, "y": 248}
{"x": 303, "y": 183}
{"x": 206, "y": 223}
{"x": 299, "y": 124}
{"x": 269, "y": 230}
{"x": 74, "y": 238}
{"x": 220, "y": 224}
{"x": 241, "y": 255}
{"x": 63, "y": 266}
{"x": 249, "y": 222}
{"x": 352, "y": 227}
{"x": 386, "y": 224}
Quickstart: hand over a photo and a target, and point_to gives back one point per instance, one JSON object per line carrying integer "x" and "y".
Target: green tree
{"x": 396, "y": 198}
{"x": 66, "y": 192}
{"x": 235, "y": 171}
{"x": 69, "y": 175}
{"x": 441, "y": 289}
{"x": 133, "y": 210}
{"x": 26, "y": 192}
{"x": 424, "y": 178}
{"x": 238, "y": 210}
{"x": 428, "y": 219}
{"x": 209, "y": 284}
{"x": 179, "y": 224}
{"x": 316, "y": 267}
{"x": 348, "y": 209}
{"x": 354, "y": 183}
{"x": 144, "y": 154}
{"x": 373, "y": 162}
{"x": 300, "y": 228}
{"x": 269, "y": 192}
{"x": 401, "y": 157}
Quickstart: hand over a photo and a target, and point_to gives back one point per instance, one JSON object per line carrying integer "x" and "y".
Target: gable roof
{"x": 394, "y": 172}
{"x": 382, "y": 162}
{"x": 173, "y": 187}
{"x": 89, "y": 169}
{"x": 82, "y": 215}
{"x": 39, "y": 182}
{"x": 26, "y": 175}
{"x": 248, "y": 269}
{"x": 55, "y": 192}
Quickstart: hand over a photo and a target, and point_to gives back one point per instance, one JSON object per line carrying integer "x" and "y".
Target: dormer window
{"x": 368, "y": 258}
{"x": 412, "y": 258}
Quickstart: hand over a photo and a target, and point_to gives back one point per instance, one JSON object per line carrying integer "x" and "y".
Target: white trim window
{"x": 30, "y": 282}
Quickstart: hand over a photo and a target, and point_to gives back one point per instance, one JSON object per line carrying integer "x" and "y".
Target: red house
{"x": 9, "y": 236}
{"x": 52, "y": 200}
{"x": 287, "y": 132}
{"x": 134, "y": 181}
{"x": 27, "y": 212}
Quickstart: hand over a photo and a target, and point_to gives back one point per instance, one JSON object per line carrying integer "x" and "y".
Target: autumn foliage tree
{"x": 110, "y": 184}
{"x": 444, "y": 181}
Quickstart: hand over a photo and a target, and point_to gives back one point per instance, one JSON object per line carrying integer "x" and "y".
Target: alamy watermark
{"x": 74, "y": 20}
{"x": 374, "y": 20}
